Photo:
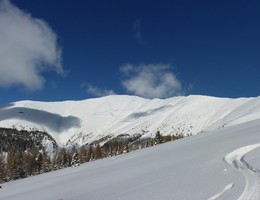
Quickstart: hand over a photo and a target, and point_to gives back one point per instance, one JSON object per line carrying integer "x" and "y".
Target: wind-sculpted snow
{"x": 194, "y": 168}
{"x": 93, "y": 119}
{"x": 53, "y": 121}
{"x": 137, "y": 115}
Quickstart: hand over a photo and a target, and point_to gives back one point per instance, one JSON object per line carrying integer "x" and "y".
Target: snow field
{"x": 197, "y": 167}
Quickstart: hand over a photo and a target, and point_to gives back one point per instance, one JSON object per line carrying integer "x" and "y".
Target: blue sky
{"x": 70, "y": 50}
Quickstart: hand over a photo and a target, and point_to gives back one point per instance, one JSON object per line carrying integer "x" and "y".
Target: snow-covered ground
{"x": 84, "y": 121}
{"x": 219, "y": 164}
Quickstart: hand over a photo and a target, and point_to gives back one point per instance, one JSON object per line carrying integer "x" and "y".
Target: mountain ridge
{"x": 84, "y": 121}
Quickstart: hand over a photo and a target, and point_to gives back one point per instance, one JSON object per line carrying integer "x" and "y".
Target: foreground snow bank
{"x": 198, "y": 167}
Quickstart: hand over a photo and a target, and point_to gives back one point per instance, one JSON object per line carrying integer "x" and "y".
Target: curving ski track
{"x": 251, "y": 174}
{"x": 216, "y": 196}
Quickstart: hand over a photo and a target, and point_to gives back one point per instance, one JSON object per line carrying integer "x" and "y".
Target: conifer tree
{"x": 39, "y": 162}
{"x": 46, "y": 162}
{"x": 19, "y": 170}
{"x": 2, "y": 168}
{"x": 97, "y": 152}
{"x": 31, "y": 161}
{"x": 158, "y": 138}
{"x": 126, "y": 149}
{"x": 75, "y": 160}
{"x": 62, "y": 158}
{"x": 83, "y": 154}
{"x": 90, "y": 154}
{"x": 10, "y": 165}
{"x": 54, "y": 161}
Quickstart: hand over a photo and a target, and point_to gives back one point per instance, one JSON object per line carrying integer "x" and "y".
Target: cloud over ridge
{"x": 96, "y": 91}
{"x": 151, "y": 81}
{"x": 28, "y": 47}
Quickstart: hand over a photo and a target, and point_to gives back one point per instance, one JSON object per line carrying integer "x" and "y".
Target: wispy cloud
{"x": 96, "y": 91}
{"x": 151, "y": 81}
{"x": 137, "y": 31}
{"x": 28, "y": 46}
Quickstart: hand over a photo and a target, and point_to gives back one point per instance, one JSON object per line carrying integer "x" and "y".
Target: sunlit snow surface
{"x": 219, "y": 164}
{"x": 88, "y": 120}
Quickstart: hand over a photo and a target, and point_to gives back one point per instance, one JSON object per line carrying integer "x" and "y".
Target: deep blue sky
{"x": 213, "y": 47}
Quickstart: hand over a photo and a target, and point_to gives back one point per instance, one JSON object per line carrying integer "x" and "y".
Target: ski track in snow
{"x": 251, "y": 174}
{"x": 228, "y": 187}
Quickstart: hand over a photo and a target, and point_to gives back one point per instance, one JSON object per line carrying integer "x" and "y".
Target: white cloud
{"x": 28, "y": 46}
{"x": 126, "y": 69}
{"x": 96, "y": 91}
{"x": 151, "y": 81}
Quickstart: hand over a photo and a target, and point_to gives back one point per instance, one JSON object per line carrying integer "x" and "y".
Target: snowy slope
{"x": 88, "y": 120}
{"x": 220, "y": 164}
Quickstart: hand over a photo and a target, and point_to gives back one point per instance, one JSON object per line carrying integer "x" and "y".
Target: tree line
{"x": 34, "y": 159}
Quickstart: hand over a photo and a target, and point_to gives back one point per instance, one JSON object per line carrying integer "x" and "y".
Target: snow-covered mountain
{"x": 219, "y": 165}
{"x": 89, "y": 120}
